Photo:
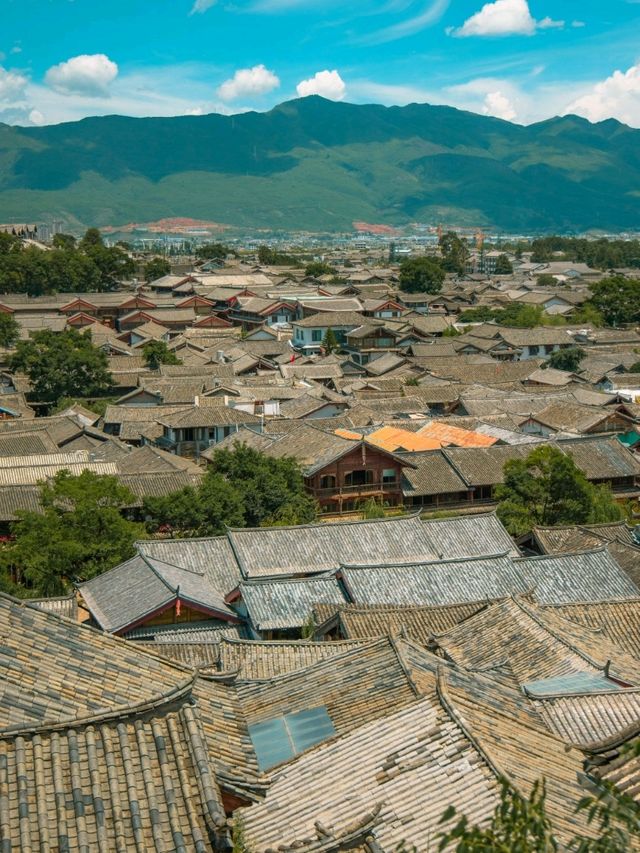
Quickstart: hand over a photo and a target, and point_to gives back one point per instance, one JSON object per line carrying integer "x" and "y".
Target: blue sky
{"x": 522, "y": 60}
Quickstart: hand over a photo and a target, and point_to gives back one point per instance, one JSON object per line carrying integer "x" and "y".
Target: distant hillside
{"x": 314, "y": 164}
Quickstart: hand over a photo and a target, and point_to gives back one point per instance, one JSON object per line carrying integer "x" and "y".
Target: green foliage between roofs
{"x": 156, "y": 268}
{"x": 317, "y": 268}
{"x": 156, "y": 353}
{"x": 213, "y": 251}
{"x": 454, "y": 251}
{"x": 566, "y": 359}
{"x": 617, "y": 299}
{"x": 330, "y": 341}
{"x": 503, "y": 266}
{"x": 80, "y": 533}
{"x": 421, "y": 275}
{"x": 547, "y": 488}
{"x": 242, "y": 488}
{"x": 9, "y": 330}
{"x": 62, "y": 364}
{"x": 67, "y": 268}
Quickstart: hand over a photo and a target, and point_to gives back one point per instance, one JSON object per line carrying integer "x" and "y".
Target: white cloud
{"x": 328, "y": 84}
{"x": 36, "y": 118}
{"x": 89, "y": 75}
{"x": 616, "y": 97}
{"x": 504, "y": 18}
{"x": 498, "y": 105}
{"x": 247, "y": 82}
{"x": 201, "y": 6}
{"x": 12, "y": 86}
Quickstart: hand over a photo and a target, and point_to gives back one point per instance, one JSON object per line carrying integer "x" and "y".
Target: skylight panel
{"x": 282, "y": 738}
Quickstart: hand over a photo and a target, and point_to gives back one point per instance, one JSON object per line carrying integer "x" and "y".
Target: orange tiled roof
{"x": 447, "y": 434}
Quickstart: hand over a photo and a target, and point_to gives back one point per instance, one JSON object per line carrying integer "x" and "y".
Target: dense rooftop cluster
{"x": 335, "y": 685}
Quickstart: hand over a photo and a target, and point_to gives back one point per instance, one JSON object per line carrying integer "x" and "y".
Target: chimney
{"x": 220, "y": 356}
{"x": 196, "y": 400}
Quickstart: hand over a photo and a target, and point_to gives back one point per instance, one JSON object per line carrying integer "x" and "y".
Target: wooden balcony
{"x": 363, "y": 490}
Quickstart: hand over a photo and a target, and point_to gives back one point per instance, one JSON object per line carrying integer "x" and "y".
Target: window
{"x": 533, "y": 350}
{"x": 358, "y": 478}
{"x": 284, "y": 737}
{"x": 389, "y": 475}
{"x": 328, "y": 481}
{"x": 316, "y": 335}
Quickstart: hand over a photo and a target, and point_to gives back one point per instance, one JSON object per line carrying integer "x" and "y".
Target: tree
{"x": 243, "y": 487}
{"x": 317, "y": 268}
{"x": 589, "y": 315}
{"x": 330, "y": 341}
{"x": 213, "y": 251}
{"x": 79, "y": 533}
{"x": 156, "y": 268}
{"x": 271, "y": 488}
{"x": 503, "y": 265}
{"x": 520, "y": 316}
{"x": 518, "y": 825}
{"x": 9, "y": 330}
{"x": 113, "y": 264}
{"x": 481, "y": 314}
{"x": 421, "y": 275}
{"x": 62, "y": 364}
{"x": 618, "y": 299}
{"x": 454, "y": 252}
{"x": 156, "y": 353}
{"x": 64, "y": 241}
{"x": 566, "y": 359}
{"x": 547, "y": 488}
{"x": 545, "y": 279}
{"x": 204, "y": 510}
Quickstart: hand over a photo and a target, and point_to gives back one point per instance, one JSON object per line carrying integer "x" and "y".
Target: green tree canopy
{"x": 213, "y": 251}
{"x": 421, "y": 275}
{"x": 62, "y": 364}
{"x": 67, "y": 268}
{"x": 547, "y": 488}
{"x": 329, "y": 342}
{"x": 545, "y": 279}
{"x": 318, "y": 268}
{"x": 79, "y": 533}
{"x": 273, "y": 257}
{"x": 9, "y": 329}
{"x": 156, "y": 353}
{"x": 618, "y": 299}
{"x": 566, "y": 359}
{"x": 156, "y": 268}
{"x": 242, "y": 487}
{"x": 503, "y": 265}
{"x": 64, "y": 241}
{"x": 454, "y": 252}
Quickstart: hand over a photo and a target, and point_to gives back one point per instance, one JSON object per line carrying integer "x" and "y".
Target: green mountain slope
{"x": 315, "y": 164}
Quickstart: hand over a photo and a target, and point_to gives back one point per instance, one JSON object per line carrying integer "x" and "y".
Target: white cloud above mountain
{"x": 504, "y": 18}
{"x": 88, "y": 74}
{"x": 12, "y": 86}
{"x": 328, "y": 84}
{"x": 618, "y": 96}
{"x": 248, "y": 82}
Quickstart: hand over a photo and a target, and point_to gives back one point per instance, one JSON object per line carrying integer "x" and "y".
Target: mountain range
{"x": 314, "y": 164}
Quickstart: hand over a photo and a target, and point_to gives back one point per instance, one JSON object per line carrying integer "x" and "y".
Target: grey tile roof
{"x": 133, "y": 591}
{"x": 437, "y": 583}
{"x": 283, "y": 604}
{"x": 102, "y": 746}
{"x": 470, "y": 535}
{"x": 319, "y": 548}
{"x": 212, "y": 555}
{"x": 586, "y": 576}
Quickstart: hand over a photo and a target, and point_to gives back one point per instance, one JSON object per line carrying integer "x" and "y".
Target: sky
{"x": 519, "y": 60}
